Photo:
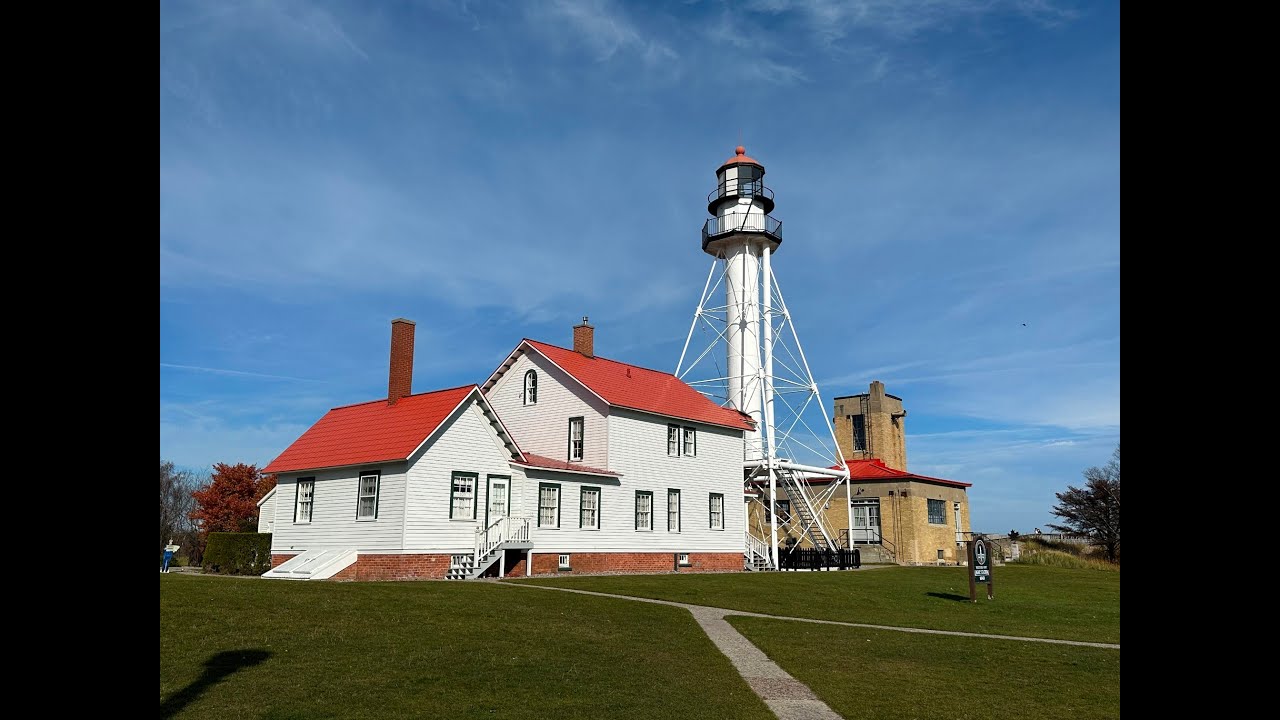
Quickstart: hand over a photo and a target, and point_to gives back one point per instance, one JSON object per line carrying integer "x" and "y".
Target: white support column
{"x": 848, "y": 506}
{"x": 502, "y": 563}
{"x": 528, "y": 564}
{"x": 767, "y": 335}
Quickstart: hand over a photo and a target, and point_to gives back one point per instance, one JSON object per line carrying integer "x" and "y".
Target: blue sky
{"x": 946, "y": 171}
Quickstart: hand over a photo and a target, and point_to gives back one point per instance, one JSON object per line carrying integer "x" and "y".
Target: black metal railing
{"x": 749, "y": 222}
{"x": 815, "y": 559}
{"x": 740, "y": 188}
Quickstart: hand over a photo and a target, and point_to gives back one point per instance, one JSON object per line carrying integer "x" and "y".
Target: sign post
{"x": 980, "y": 569}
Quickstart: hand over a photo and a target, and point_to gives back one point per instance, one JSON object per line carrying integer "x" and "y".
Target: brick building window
{"x": 937, "y": 512}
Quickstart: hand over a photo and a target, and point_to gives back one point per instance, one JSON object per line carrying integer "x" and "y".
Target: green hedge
{"x": 238, "y": 553}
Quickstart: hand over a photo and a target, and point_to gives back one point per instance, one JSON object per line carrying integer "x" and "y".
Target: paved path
{"x": 787, "y": 697}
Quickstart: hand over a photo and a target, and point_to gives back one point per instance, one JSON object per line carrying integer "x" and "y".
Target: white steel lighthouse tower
{"x": 743, "y": 322}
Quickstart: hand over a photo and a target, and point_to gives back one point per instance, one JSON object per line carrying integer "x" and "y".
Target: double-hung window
{"x": 367, "y": 502}
{"x": 690, "y": 441}
{"x": 644, "y": 510}
{"x": 462, "y": 503}
{"x": 717, "y": 511}
{"x": 673, "y": 440}
{"x": 575, "y": 439}
{"x": 673, "y": 511}
{"x": 304, "y": 495}
{"x": 589, "y": 509}
{"x": 548, "y": 505}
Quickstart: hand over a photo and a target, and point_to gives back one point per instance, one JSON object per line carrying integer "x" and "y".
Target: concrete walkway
{"x": 787, "y": 697}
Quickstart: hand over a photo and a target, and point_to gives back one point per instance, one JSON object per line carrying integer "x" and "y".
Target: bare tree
{"x": 176, "y": 503}
{"x": 1094, "y": 510}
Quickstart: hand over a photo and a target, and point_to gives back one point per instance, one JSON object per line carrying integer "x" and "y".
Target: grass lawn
{"x": 885, "y": 674}
{"x": 1034, "y": 601}
{"x": 275, "y": 649}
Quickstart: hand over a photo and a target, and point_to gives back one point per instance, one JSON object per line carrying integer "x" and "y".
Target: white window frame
{"x": 530, "y": 394}
{"x": 673, "y": 441}
{"x": 582, "y": 507}
{"x": 673, "y": 493}
{"x": 361, "y": 495}
{"x": 646, "y": 513}
{"x": 682, "y": 559}
{"x": 299, "y": 502}
{"x": 713, "y": 513}
{"x": 577, "y": 425}
{"x": 689, "y": 441}
{"x": 541, "y": 506}
{"x": 474, "y": 478}
{"x": 562, "y": 562}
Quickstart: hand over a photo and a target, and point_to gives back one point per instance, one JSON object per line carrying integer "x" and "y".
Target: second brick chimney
{"x": 584, "y": 338}
{"x": 400, "y": 377}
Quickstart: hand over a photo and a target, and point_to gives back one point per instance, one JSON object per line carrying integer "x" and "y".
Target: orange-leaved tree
{"x": 229, "y": 503}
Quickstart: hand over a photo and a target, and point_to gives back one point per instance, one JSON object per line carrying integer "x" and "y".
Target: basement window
{"x": 564, "y": 562}
{"x": 682, "y": 559}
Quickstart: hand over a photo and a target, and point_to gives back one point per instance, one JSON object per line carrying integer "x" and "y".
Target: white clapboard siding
{"x": 638, "y": 449}
{"x": 333, "y": 514}
{"x": 543, "y": 428}
{"x": 267, "y": 512}
{"x": 466, "y": 442}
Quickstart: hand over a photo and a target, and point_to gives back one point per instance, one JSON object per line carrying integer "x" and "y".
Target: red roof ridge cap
{"x": 382, "y": 400}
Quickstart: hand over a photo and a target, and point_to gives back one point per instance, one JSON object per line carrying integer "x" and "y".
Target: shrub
{"x": 238, "y": 553}
{"x": 1056, "y": 558}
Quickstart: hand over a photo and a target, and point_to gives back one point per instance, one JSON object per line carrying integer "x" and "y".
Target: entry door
{"x": 860, "y": 523}
{"x": 499, "y": 497}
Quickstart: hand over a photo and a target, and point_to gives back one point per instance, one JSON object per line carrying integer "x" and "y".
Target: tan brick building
{"x": 893, "y": 515}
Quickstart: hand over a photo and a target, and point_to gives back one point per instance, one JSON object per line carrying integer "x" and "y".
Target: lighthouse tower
{"x": 743, "y": 322}
{"x": 743, "y": 233}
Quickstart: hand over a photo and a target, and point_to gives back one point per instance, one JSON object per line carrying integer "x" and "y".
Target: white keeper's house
{"x": 560, "y": 462}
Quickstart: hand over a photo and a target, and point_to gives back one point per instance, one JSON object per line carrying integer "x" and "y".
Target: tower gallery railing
{"x": 749, "y": 222}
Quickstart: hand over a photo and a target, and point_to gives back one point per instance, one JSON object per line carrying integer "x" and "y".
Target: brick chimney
{"x": 584, "y": 338}
{"x": 400, "y": 377}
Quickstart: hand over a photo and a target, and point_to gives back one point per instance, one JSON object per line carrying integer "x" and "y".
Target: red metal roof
{"x": 740, "y": 156}
{"x": 875, "y": 469}
{"x": 538, "y": 461}
{"x": 369, "y": 432}
{"x": 636, "y": 388}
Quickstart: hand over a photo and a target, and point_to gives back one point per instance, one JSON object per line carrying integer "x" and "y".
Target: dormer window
{"x": 531, "y": 388}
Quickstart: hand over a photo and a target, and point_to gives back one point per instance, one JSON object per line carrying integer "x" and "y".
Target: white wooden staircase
{"x": 755, "y": 554}
{"x": 508, "y": 533}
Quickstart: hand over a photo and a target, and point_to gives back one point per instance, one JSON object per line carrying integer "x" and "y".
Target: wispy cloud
{"x": 238, "y": 373}
{"x": 832, "y": 20}
{"x": 603, "y": 27}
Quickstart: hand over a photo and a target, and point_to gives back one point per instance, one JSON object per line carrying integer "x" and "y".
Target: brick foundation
{"x": 623, "y": 563}
{"x": 278, "y": 559}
